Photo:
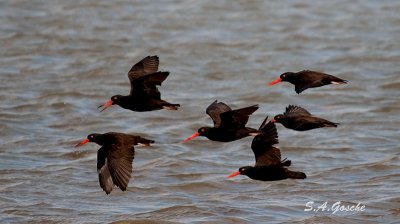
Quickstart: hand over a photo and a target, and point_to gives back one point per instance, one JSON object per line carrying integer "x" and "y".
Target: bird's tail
{"x": 295, "y": 175}
{"x": 171, "y": 106}
{"x": 143, "y": 141}
{"x": 330, "y": 124}
{"x": 339, "y": 81}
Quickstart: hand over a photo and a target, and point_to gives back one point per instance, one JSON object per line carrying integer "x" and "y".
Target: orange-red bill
{"x": 273, "y": 121}
{"x": 275, "y": 82}
{"x": 192, "y": 137}
{"x": 234, "y": 174}
{"x": 82, "y": 142}
{"x": 106, "y": 105}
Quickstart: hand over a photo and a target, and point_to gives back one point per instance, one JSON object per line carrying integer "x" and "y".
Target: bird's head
{"x": 285, "y": 77}
{"x": 242, "y": 170}
{"x": 91, "y": 138}
{"x": 278, "y": 118}
{"x": 113, "y": 100}
{"x": 201, "y": 132}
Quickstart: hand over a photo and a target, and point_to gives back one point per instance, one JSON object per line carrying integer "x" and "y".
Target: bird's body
{"x": 139, "y": 104}
{"x": 271, "y": 173}
{"x": 305, "y": 123}
{"x": 144, "y": 95}
{"x": 115, "y": 157}
{"x": 229, "y": 125}
{"x": 269, "y": 166}
{"x": 228, "y": 135}
{"x": 308, "y": 79}
{"x": 299, "y": 119}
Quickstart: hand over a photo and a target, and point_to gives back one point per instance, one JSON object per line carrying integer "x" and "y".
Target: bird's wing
{"x": 119, "y": 162}
{"x": 271, "y": 156}
{"x": 237, "y": 118}
{"x": 262, "y": 146}
{"x": 146, "y": 66}
{"x": 214, "y": 111}
{"x": 105, "y": 179}
{"x": 264, "y": 123}
{"x": 146, "y": 85}
{"x": 293, "y": 110}
{"x": 309, "y": 79}
{"x": 311, "y": 73}
{"x": 270, "y": 132}
{"x": 308, "y": 122}
{"x": 300, "y": 87}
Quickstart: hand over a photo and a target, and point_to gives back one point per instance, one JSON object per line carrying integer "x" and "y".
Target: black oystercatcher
{"x": 144, "y": 77}
{"x": 229, "y": 125}
{"x": 269, "y": 166}
{"x": 300, "y": 119}
{"x": 308, "y": 79}
{"x": 114, "y": 158}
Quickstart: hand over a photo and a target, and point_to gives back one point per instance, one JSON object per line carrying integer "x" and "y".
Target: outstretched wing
{"x": 264, "y": 125}
{"x": 146, "y": 86}
{"x": 270, "y": 157}
{"x": 120, "y": 165}
{"x": 270, "y": 132}
{"x": 115, "y": 162}
{"x": 146, "y": 66}
{"x": 214, "y": 111}
{"x": 237, "y": 118}
{"x": 105, "y": 180}
{"x": 262, "y": 146}
{"x": 293, "y": 110}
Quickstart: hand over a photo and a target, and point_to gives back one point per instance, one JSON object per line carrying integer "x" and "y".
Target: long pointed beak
{"x": 233, "y": 174}
{"x": 192, "y": 137}
{"x": 273, "y": 121}
{"x": 82, "y": 142}
{"x": 275, "y": 82}
{"x": 106, "y": 105}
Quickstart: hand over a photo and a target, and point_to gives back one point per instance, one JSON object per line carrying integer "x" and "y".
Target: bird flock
{"x": 115, "y": 157}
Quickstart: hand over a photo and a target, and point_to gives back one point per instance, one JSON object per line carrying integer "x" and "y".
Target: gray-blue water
{"x": 59, "y": 60}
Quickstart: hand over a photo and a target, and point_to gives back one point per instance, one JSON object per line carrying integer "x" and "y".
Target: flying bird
{"x": 115, "y": 157}
{"x": 299, "y": 119}
{"x": 269, "y": 165}
{"x": 229, "y": 125}
{"x": 307, "y": 79}
{"x": 144, "y": 96}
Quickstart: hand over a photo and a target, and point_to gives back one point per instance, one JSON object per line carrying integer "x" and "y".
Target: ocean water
{"x": 59, "y": 60}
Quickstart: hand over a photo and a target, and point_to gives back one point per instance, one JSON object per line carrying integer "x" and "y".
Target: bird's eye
{"x": 91, "y": 136}
{"x": 202, "y": 130}
{"x": 283, "y": 76}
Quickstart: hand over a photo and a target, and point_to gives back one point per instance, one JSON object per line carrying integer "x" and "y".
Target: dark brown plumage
{"x": 144, "y": 96}
{"x": 115, "y": 157}
{"x": 269, "y": 166}
{"x": 229, "y": 125}
{"x": 308, "y": 79}
{"x": 299, "y": 119}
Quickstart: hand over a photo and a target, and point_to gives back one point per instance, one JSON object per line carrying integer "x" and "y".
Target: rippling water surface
{"x": 61, "y": 59}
